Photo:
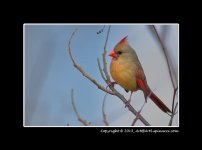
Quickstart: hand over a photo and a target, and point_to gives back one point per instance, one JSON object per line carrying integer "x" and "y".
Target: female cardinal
{"x": 127, "y": 71}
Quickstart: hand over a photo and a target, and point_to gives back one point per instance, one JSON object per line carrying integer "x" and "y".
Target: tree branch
{"x": 135, "y": 120}
{"x": 100, "y": 69}
{"x": 166, "y": 56}
{"x": 129, "y": 106}
{"x": 175, "y": 91}
{"x": 137, "y": 116}
{"x": 84, "y": 122}
{"x": 104, "y": 57}
{"x": 103, "y": 111}
{"x": 174, "y": 84}
{"x": 83, "y": 71}
{"x": 173, "y": 114}
{"x": 174, "y": 109}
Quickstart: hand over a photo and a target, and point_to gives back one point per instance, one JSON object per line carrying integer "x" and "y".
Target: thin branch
{"x": 166, "y": 55}
{"x": 137, "y": 116}
{"x": 104, "y": 57}
{"x": 173, "y": 114}
{"x": 135, "y": 120}
{"x": 130, "y": 107}
{"x": 100, "y": 69}
{"x": 175, "y": 91}
{"x": 84, "y": 122}
{"x": 175, "y": 87}
{"x": 103, "y": 111}
{"x": 83, "y": 71}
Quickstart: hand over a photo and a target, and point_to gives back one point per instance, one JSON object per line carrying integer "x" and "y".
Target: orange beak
{"x": 113, "y": 54}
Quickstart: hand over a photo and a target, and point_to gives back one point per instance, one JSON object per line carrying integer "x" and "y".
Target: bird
{"x": 126, "y": 70}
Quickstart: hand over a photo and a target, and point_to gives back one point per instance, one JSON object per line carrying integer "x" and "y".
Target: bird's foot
{"x": 111, "y": 84}
{"x": 127, "y": 103}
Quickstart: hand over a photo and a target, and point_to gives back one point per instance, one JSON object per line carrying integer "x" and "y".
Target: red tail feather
{"x": 159, "y": 103}
{"x": 153, "y": 97}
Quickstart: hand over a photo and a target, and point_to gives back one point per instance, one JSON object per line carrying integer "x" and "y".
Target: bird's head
{"x": 121, "y": 49}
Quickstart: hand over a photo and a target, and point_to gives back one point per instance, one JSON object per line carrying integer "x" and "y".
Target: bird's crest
{"x": 124, "y": 40}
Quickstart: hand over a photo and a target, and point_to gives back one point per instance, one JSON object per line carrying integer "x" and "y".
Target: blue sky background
{"x": 50, "y": 75}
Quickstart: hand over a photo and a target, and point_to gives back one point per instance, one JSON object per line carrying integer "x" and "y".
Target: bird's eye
{"x": 119, "y": 52}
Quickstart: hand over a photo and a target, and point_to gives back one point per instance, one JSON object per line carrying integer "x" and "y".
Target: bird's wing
{"x": 142, "y": 83}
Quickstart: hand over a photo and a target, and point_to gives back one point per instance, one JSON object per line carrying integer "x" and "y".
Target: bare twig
{"x": 174, "y": 112}
{"x": 113, "y": 90}
{"x": 84, "y": 122}
{"x": 135, "y": 120}
{"x": 166, "y": 56}
{"x": 83, "y": 71}
{"x": 100, "y": 69}
{"x": 174, "y": 84}
{"x": 104, "y": 57}
{"x": 103, "y": 111}
{"x": 175, "y": 91}
{"x": 144, "y": 121}
{"x": 137, "y": 116}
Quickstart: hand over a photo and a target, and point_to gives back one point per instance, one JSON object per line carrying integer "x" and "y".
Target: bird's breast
{"x": 123, "y": 72}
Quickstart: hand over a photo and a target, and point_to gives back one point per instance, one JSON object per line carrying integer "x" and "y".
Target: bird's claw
{"x": 111, "y": 84}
